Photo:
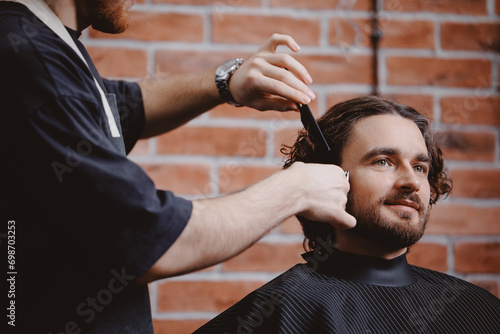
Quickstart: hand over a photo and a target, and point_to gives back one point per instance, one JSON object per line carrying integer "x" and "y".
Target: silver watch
{"x": 222, "y": 76}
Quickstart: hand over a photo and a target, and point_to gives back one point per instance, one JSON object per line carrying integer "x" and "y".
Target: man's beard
{"x": 108, "y": 16}
{"x": 390, "y": 233}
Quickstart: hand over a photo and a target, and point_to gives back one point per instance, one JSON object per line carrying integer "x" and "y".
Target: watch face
{"x": 227, "y": 66}
{"x": 224, "y": 68}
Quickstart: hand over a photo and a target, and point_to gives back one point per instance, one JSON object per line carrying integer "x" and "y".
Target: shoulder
{"x": 435, "y": 277}
{"x": 37, "y": 65}
{"x": 452, "y": 287}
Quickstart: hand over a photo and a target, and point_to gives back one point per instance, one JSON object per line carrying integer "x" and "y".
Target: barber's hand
{"x": 323, "y": 193}
{"x": 272, "y": 81}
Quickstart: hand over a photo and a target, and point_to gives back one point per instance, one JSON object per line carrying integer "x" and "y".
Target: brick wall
{"x": 440, "y": 56}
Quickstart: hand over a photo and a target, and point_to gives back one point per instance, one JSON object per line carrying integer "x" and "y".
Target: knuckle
{"x": 285, "y": 58}
{"x": 252, "y": 78}
{"x": 278, "y": 36}
{"x": 257, "y": 61}
{"x": 285, "y": 76}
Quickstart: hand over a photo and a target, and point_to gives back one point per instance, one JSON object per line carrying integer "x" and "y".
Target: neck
{"x": 70, "y": 13}
{"x": 355, "y": 244}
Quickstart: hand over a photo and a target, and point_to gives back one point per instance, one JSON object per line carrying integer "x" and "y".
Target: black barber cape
{"x": 346, "y": 293}
{"x": 84, "y": 222}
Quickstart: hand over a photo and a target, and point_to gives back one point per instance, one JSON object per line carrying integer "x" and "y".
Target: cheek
{"x": 425, "y": 192}
{"x": 369, "y": 185}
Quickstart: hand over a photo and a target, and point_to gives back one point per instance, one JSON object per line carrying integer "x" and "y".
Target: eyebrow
{"x": 391, "y": 152}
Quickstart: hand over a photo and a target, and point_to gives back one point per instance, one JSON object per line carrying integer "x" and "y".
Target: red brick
{"x": 177, "y": 326}
{"x": 257, "y": 29}
{"x": 407, "y": 34}
{"x": 202, "y": 296}
{"x": 180, "y": 62}
{"x": 231, "y": 3}
{"x": 478, "y": 183}
{"x": 471, "y": 110}
{"x": 265, "y": 257}
{"x": 150, "y": 26}
{"x": 469, "y": 7}
{"x": 471, "y": 257}
{"x": 471, "y": 36}
{"x": 469, "y": 146}
{"x": 350, "y": 33}
{"x": 422, "y": 103}
{"x": 427, "y": 255}
{"x": 326, "y": 69}
{"x": 284, "y": 137}
{"x": 455, "y": 219}
{"x": 181, "y": 179}
{"x": 228, "y": 111}
{"x": 438, "y": 72}
{"x": 214, "y": 141}
{"x": 395, "y": 33}
{"x": 119, "y": 62}
{"x": 322, "y": 4}
{"x": 141, "y": 148}
{"x": 237, "y": 176}
{"x": 291, "y": 226}
{"x": 490, "y": 286}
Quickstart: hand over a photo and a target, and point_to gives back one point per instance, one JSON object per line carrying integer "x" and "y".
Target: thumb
{"x": 343, "y": 221}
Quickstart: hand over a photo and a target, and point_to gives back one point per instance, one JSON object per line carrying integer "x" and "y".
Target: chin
{"x": 109, "y": 18}
{"x": 114, "y": 26}
{"x": 402, "y": 217}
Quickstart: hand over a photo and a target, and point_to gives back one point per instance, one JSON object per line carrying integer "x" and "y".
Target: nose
{"x": 407, "y": 180}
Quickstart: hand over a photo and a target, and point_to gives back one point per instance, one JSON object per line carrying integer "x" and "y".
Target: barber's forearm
{"x": 221, "y": 228}
{"x": 237, "y": 221}
{"x": 175, "y": 100}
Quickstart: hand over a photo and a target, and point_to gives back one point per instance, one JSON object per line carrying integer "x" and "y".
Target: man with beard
{"x": 358, "y": 280}
{"x": 92, "y": 230}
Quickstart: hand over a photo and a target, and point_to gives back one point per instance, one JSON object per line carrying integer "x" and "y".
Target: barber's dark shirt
{"x": 88, "y": 221}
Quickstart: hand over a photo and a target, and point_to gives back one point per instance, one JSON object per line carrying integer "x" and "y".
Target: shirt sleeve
{"x": 131, "y": 109}
{"x": 74, "y": 178}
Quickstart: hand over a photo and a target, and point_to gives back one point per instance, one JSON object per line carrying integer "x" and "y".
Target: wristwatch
{"x": 222, "y": 76}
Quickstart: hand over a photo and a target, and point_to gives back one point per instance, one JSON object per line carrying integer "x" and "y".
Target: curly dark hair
{"x": 336, "y": 125}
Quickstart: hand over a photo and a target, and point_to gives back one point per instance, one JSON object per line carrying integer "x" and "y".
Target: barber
{"x": 92, "y": 228}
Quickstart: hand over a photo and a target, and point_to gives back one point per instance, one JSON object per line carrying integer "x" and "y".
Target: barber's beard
{"x": 108, "y": 16}
{"x": 388, "y": 232}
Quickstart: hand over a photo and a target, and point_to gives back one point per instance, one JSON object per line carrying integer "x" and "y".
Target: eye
{"x": 382, "y": 163}
{"x": 420, "y": 169}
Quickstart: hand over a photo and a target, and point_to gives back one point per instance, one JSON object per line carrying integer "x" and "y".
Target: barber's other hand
{"x": 323, "y": 193}
{"x": 272, "y": 81}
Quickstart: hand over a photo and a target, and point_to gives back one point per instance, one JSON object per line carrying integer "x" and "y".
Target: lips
{"x": 403, "y": 202}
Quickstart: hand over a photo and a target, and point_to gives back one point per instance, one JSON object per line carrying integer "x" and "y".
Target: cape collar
{"x": 362, "y": 269}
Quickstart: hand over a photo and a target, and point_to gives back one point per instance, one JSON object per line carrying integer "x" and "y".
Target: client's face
{"x": 109, "y": 16}
{"x": 388, "y": 163}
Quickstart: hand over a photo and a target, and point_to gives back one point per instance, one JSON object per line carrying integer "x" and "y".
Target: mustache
{"x": 404, "y": 196}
